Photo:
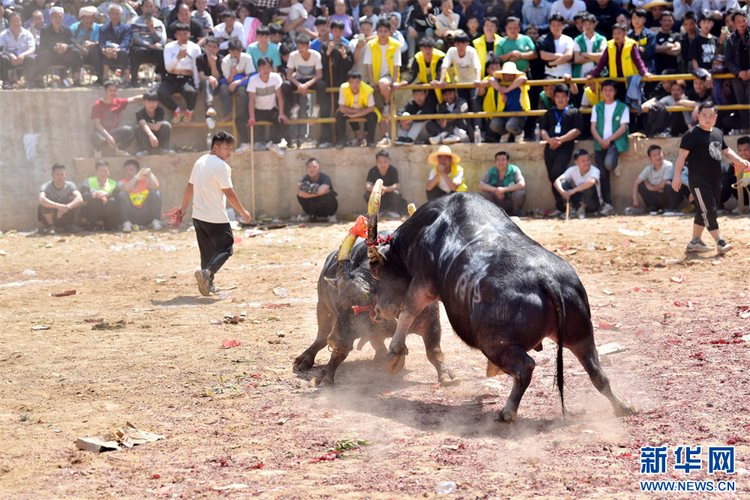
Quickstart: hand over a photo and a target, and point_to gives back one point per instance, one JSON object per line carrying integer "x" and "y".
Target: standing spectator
{"x": 106, "y": 115}
{"x": 316, "y": 195}
{"x": 414, "y": 131}
{"x": 18, "y": 51}
{"x": 100, "y": 204}
{"x": 579, "y": 185}
{"x": 390, "y": 200}
{"x": 690, "y": 27}
{"x": 644, "y": 38}
{"x": 588, "y": 48}
{"x": 114, "y": 44}
{"x": 264, "y": 48}
{"x": 324, "y": 33}
{"x": 209, "y": 74}
{"x": 504, "y": 9}
{"x": 420, "y": 22}
{"x": 59, "y": 200}
{"x": 515, "y": 47}
{"x": 556, "y": 48}
{"x": 504, "y": 185}
{"x": 266, "y": 103}
{"x": 127, "y": 13}
{"x": 304, "y": 72}
{"x": 511, "y": 98}
{"x": 86, "y": 38}
{"x": 667, "y": 44}
{"x": 237, "y": 66}
{"x": 201, "y": 15}
{"x": 654, "y": 184}
{"x": 486, "y": 45}
{"x": 469, "y": 8}
{"x": 702, "y": 147}
{"x": 559, "y": 128}
{"x": 230, "y": 29}
{"x": 295, "y": 21}
{"x": 356, "y": 101}
{"x": 340, "y": 14}
{"x": 448, "y": 176}
{"x": 181, "y": 75}
{"x": 194, "y": 27}
{"x": 148, "y": 37}
{"x": 567, "y": 9}
{"x": 337, "y": 60}
{"x": 606, "y": 13}
{"x": 704, "y": 46}
{"x": 536, "y": 65}
{"x": 153, "y": 131}
{"x": 380, "y": 50}
{"x": 447, "y": 131}
{"x": 610, "y": 128}
{"x": 210, "y": 186}
{"x": 359, "y": 45}
{"x": 737, "y": 61}
{"x": 426, "y": 68}
{"x": 138, "y": 197}
{"x": 57, "y": 47}
{"x": 536, "y": 12}
{"x": 446, "y": 23}
{"x": 467, "y": 68}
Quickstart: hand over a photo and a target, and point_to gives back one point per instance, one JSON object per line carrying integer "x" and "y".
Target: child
{"x": 153, "y": 131}
{"x": 704, "y": 45}
{"x": 203, "y": 17}
{"x": 514, "y": 97}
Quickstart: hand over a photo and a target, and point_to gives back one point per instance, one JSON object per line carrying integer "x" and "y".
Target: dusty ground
{"x": 241, "y": 416}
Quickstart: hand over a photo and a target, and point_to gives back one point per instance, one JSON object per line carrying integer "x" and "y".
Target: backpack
{"x": 658, "y": 120}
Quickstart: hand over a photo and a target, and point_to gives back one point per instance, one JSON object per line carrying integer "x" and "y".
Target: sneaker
{"x": 332, "y": 218}
{"x": 120, "y": 152}
{"x": 302, "y": 218}
{"x": 142, "y": 153}
{"x": 401, "y": 140}
{"x": 177, "y": 116}
{"x": 283, "y": 144}
{"x": 293, "y": 144}
{"x": 188, "y": 116}
{"x": 384, "y": 142}
{"x": 211, "y": 112}
{"x": 156, "y": 225}
{"x": 368, "y": 144}
{"x": 204, "y": 281}
{"x": 451, "y": 139}
{"x": 210, "y": 122}
{"x": 723, "y": 247}
{"x": 309, "y": 144}
{"x": 581, "y": 212}
{"x": 212, "y": 288}
{"x": 324, "y": 145}
{"x": 340, "y": 145}
{"x": 633, "y": 211}
{"x": 606, "y": 209}
{"x": 261, "y": 146}
{"x": 618, "y": 170}
{"x": 315, "y": 112}
{"x": 556, "y": 213}
{"x": 244, "y": 147}
{"x": 275, "y": 149}
{"x": 294, "y": 114}
{"x": 363, "y": 143}
{"x": 97, "y": 153}
{"x": 438, "y": 139}
{"x": 127, "y": 226}
{"x": 698, "y": 246}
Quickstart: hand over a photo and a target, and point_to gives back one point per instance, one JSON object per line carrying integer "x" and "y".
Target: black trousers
{"x": 435, "y": 193}
{"x": 163, "y": 135}
{"x": 557, "y": 162}
{"x": 589, "y": 197}
{"x": 667, "y": 199}
{"x": 67, "y": 219}
{"x": 122, "y": 60}
{"x": 389, "y": 202}
{"x": 29, "y": 67}
{"x": 143, "y": 215}
{"x": 95, "y": 211}
{"x": 215, "y": 242}
{"x": 177, "y": 84}
{"x": 370, "y": 127}
{"x": 123, "y": 136}
{"x": 141, "y": 55}
{"x": 707, "y": 194}
{"x": 71, "y": 58}
{"x": 93, "y": 58}
{"x": 277, "y": 130}
{"x": 319, "y": 206}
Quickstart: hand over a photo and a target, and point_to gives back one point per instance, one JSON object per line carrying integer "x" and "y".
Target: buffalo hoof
{"x": 394, "y": 363}
{"x": 507, "y": 417}
{"x": 322, "y": 382}
{"x": 448, "y": 381}
{"x": 303, "y": 363}
{"x": 624, "y": 409}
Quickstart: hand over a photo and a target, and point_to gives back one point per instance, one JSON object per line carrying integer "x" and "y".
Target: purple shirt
{"x": 604, "y": 60}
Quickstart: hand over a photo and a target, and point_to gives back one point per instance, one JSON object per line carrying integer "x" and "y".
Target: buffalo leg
{"x": 326, "y": 320}
{"x": 427, "y": 325}
{"x": 378, "y": 343}
{"x": 340, "y": 347}
{"x": 589, "y": 358}
{"x": 413, "y": 307}
{"x": 514, "y": 361}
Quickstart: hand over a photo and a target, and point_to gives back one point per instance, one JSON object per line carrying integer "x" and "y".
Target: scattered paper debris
{"x": 63, "y": 294}
{"x": 628, "y": 232}
{"x": 607, "y": 292}
{"x": 677, "y": 279}
{"x": 610, "y": 348}
{"x": 281, "y": 292}
{"x": 40, "y": 327}
{"x": 128, "y": 436}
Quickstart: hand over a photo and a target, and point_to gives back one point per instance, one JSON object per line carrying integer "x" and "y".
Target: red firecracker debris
{"x": 230, "y": 343}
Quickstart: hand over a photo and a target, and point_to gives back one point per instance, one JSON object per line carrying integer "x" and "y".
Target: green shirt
{"x": 522, "y": 44}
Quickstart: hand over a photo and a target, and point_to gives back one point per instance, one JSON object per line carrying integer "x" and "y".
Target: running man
{"x": 703, "y": 147}
{"x": 210, "y": 186}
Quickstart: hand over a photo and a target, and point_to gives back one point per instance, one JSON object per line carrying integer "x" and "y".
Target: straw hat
{"x": 443, "y": 150}
{"x": 87, "y": 11}
{"x": 509, "y": 68}
{"x": 657, "y": 3}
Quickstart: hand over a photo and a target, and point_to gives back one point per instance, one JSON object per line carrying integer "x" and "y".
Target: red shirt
{"x": 109, "y": 114}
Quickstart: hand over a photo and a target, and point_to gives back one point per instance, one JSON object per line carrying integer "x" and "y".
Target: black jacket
{"x": 732, "y": 51}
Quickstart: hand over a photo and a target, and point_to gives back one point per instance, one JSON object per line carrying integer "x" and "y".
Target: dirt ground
{"x": 239, "y": 422}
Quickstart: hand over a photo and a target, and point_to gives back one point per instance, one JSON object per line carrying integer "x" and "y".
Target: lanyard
{"x": 559, "y": 118}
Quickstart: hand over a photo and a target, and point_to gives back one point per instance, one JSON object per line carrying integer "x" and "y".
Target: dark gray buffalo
{"x": 347, "y": 297}
{"x": 503, "y": 292}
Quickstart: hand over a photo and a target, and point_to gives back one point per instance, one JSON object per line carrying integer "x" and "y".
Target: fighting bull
{"x": 347, "y": 299}
{"x": 503, "y": 292}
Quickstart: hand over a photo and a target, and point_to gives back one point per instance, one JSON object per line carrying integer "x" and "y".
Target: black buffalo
{"x": 503, "y": 292}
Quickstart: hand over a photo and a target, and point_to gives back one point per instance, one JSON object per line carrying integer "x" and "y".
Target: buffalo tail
{"x": 554, "y": 293}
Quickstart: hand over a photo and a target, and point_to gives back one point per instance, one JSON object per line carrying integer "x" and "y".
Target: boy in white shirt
{"x": 230, "y": 29}
{"x": 467, "y": 68}
{"x": 181, "y": 74}
{"x": 304, "y": 72}
{"x": 579, "y": 185}
{"x": 383, "y": 65}
{"x": 266, "y": 103}
{"x": 237, "y": 66}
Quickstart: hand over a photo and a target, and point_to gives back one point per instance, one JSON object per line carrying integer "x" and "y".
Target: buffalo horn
{"x": 412, "y": 208}
{"x": 373, "y": 208}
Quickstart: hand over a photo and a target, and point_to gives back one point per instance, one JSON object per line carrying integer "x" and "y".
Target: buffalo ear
{"x": 374, "y": 253}
{"x": 332, "y": 281}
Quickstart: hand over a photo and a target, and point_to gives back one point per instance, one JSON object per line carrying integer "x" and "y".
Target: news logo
{"x": 687, "y": 459}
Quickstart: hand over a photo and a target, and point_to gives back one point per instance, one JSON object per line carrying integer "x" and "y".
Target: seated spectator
{"x": 201, "y": 15}
{"x": 510, "y": 98}
{"x": 138, "y": 197}
{"x": 250, "y": 23}
{"x": 127, "y": 13}
{"x": 180, "y": 58}
{"x": 467, "y": 67}
{"x": 4, "y": 22}
{"x": 426, "y": 68}
{"x": 470, "y": 9}
{"x": 559, "y": 128}
{"x": 367, "y": 9}
{"x": 340, "y": 14}
{"x": 739, "y": 66}
{"x": 610, "y": 121}
{"x": 486, "y": 45}
{"x": 194, "y": 27}
{"x": 606, "y": 13}
{"x": 100, "y": 204}
{"x": 356, "y": 101}
{"x": 57, "y": 47}
{"x": 579, "y": 185}
{"x": 35, "y": 25}
{"x": 266, "y": 103}
{"x": 396, "y": 34}
{"x": 390, "y": 201}
{"x": 277, "y": 35}
{"x": 588, "y": 47}
{"x": 382, "y": 76}
{"x": 237, "y": 66}
{"x": 106, "y": 115}
{"x": 448, "y": 176}
{"x": 337, "y": 60}
{"x": 445, "y": 131}
{"x": 515, "y": 47}
{"x": 59, "y": 200}
{"x": 17, "y": 51}
{"x": 700, "y": 92}
{"x": 675, "y": 124}
{"x": 389, "y": 9}
{"x": 230, "y": 29}
{"x": 535, "y": 12}
{"x": 86, "y": 39}
{"x": 705, "y": 45}
{"x": 316, "y": 195}
{"x": 114, "y": 44}
{"x": 446, "y": 23}
{"x": 209, "y": 74}
{"x": 504, "y": 185}
{"x": 667, "y": 44}
{"x": 567, "y": 9}
{"x": 304, "y": 72}
{"x": 264, "y": 48}
{"x": 414, "y": 131}
{"x": 555, "y": 48}
{"x": 729, "y": 176}
{"x": 153, "y": 131}
{"x": 358, "y": 44}
{"x": 148, "y": 38}
{"x": 324, "y": 33}
{"x": 654, "y": 184}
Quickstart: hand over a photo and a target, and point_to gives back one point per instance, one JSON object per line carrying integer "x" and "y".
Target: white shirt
{"x": 609, "y": 110}
{"x": 654, "y": 177}
{"x": 305, "y": 69}
{"x": 295, "y": 12}
{"x": 11, "y": 45}
{"x": 466, "y": 65}
{"x": 244, "y": 65}
{"x": 575, "y": 179}
{"x": 561, "y": 45}
{"x": 220, "y": 31}
{"x": 370, "y": 100}
{"x": 210, "y": 175}
{"x": 188, "y": 62}
{"x": 265, "y": 92}
{"x": 559, "y": 8}
{"x": 385, "y": 70}
{"x": 458, "y": 179}
{"x": 586, "y": 67}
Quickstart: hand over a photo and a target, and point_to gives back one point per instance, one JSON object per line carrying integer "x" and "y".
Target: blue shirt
{"x": 119, "y": 35}
{"x": 315, "y": 44}
{"x": 273, "y": 53}
{"x": 82, "y": 36}
{"x": 513, "y": 102}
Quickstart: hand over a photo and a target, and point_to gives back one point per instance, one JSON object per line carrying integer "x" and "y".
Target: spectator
{"x": 383, "y": 48}
{"x": 396, "y": 34}
{"x": 324, "y": 33}
{"x": 737, "y": 61}
{"x": 446, "y": 131}
{"x": 359, "y": 45}
{"x": 180, "y": 63}
{"x": 106, "y": 115}
{"x": 316, "y": 195}
{"x": 59, "y": 200}
{"x": 337, "y": 60}
{"x": 567, "y": 9}
{"x": 127, "y": 13}
{"x": 683, "y": 7}
{"x": 644, "y": 38}
{"x": 559, "y": 128}
{"x": 655, "y": 9}
{"x": 690, "y": 27}
{"x": 588, "y": 48}
{"x": 555, "y": 48}
{"x": 3, "y": 22}
{"x": 677, "y": 123}
{"x": 504, "y": 185}
{"x": 448, "y": 176}
{"x": 486, "y": 45}
{"x": 36, "y": 24}
{"x": 237, "y": 66}
{"x": 368, "y": 12}
{"x": 264, "y": 48}
{"x": 210, "y": 186}
{"x": 511, "y": 98}
{"x": 502, "y": 10}
{"x": 729, "y": 177}
{"x": 18, "y": 51}
{"x": 515, "y": 47}
{"x": 536, "y": 65}
{"x": 389, "y": 9}
{"x": 356, "y": 101}
{"x": 426, "y": 68}
{"x": 414, "y": 131}
{"x": 535, "y": 12}
{"x": 230, "y": 29}
{"x": 138, "y": 197}
{"x": 100, "y": 205}
{"x": 114, "y": 44}
{"x": 201, "y": 15}
{"x": 86, "y": 38}
{"x": 195, "y": 29}
{"x": 304, "y": 72}
{"x": 148, "y": 37}
{"x": 250, "y": 23}
{"x": 340, "y": 14}
{"x": 153, "y": 131}
{"x": 57, "y": 47}
{"x": 446, "y": 23}
{"x": 472, "y": 28}
{"x": 467, "y": 69}
{"x": 704, "y": 46}
{"x": 209, "y": 74}
{"x": 266, "y": 103}
{"x": 579, "y": 185}
{"x": 419, "y": 23}
{"x": 667, "y": 44}
{"x": 277, "y": 35}
{"x": 654, "y": 184}
{"x": 469, "y": 8}
{"x": 390, "y": 201}
{"x": 610, "y": 120}
{"x": 606, "y": 13}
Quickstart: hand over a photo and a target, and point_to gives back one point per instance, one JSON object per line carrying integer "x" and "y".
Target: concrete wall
{"x": 42, "y": 127}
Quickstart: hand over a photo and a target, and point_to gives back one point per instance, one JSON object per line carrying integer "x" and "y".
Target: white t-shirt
{"x": 466, "y": 65}
{"x": 561, "y": 45}
{"x": 305, "y": 69}
{"x": 385, "y": 70}
{"x": 654, "y": 177}
{"x": 210, "y": 175}
{"x": 265, "y": 92}
{"x": 295, "y": 12}
{"x": 458, "y": 179}
{"x": 238, "y": 32}
{"x": 586, "y": 67}
{"x": 370, "y": 100}
{"x": 244, "y": 65}
{"x": 559, "y": 8}
{"x": 575, "y": 179}
{"x": 609, "y": 110}
{"x": 188, "y": 62}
